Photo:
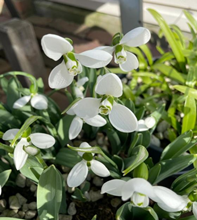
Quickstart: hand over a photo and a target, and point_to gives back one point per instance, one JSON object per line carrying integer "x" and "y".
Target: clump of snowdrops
{"x": 37, "y": 137}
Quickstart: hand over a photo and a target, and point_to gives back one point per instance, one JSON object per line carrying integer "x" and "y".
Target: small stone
{"x": 25, "y": 208}
{"x": 33, "y": 188}
{"x": 159, "y": 135}
{"x": 14, "y": 203}
{"x": 155, "y": 141}
{"x": 30, "y": 214}
{"x": 163, "y": 126}
{"x": 32, "y": 205}
{"x": 97, "y": 181}
{"x": 5, "y": 212}
{"x": 22, "y": 200}
{"x": 65, "y": 176}
{"x": 89, "y": 177}
{"x": 20, "y": 180}
{"x": 9, "y": 213}
{"x": 93, "y": 143}
{"x": 16, "y": 215}
{"x": 28, "y": 182}
{"x": 72, "y": 209}
{"x": 86, "y": 194}
{"x": 95, "y": 195}
{"x": 21, "y": 214}
{"x": 115, "y": 202}
{"x": 3, "y": 204}
{"x": 65, "y": 217}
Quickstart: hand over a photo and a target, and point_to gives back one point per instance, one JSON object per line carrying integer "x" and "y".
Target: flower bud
{"x": 141, "y": 171}
{"x": 193, "y": 196}
{"x": 116, "y": 38}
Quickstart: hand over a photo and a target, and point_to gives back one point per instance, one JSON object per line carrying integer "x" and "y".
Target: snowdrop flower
{"x": 109, "y": 86}
{"x": 22, "y": 148}
{"x": 79, "y": 87}
{"x": 37, "y": 101}
{"x": 134, "y": 38}
{"x": 80, "y": 171}
{"x": 146, "y": 124}
{"x": 62, "y": 75}
{"x": 77, "y": 123}
{"x": 140, "y": 190}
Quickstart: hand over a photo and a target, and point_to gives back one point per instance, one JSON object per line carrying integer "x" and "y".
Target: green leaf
{"x": 4, "y": 176}
{"x": 40, "y": 85}
{"x": 12, "y": 93}
{"x": 187, "y": 90}
{"x": 49, "y": 193}
{"x": 170, "y": 38}
{"x": 165, "y": 57}
{"x": 7, "y": 120}
{"x": 179, "y": 33}
{"x": 191, "y": 217}
{"x": 189, "y": 119}
{"x": 69, "y": 107}
{"x": 4, "y": 218}
{"x": 148, "y": 74}
{"x": 63, "y": 128}
{"x": 72, "y": 157}
{"x": 148, "y": 54}
{"x": 170, "y": 72}
{"x": 174, "y": 165}
{"x": 127, "y": 92}
{"x": 92, "y": 81}
{"x": 191, "y": 19}
{"x": 178, "y": 146}
{"x": 154, "y": 173}
{"x": 27, "y": 123}
{"x": 139, "y": 155}
{"x": 94, "y": 218}
{"x": 144, "y": 213}
{"x": 124, "y": 212}
{"x": 26, "y": 170}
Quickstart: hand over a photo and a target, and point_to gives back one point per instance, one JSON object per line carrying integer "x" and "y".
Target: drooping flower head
{"x": 140, "y": 190}
{"x": 62, "y": 75}
{"x": 134, "y": 38}
{"x": 24, "y": 146}
{"x": 80, "y": 171}
{"x": 109, "y": 87}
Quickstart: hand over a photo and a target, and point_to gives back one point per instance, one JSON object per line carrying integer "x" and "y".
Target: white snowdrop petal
{"x": 59, "y": 77}
{"x": 10, "y": 134}
{"x": 96, "y": 121}
{"x": 78, "y": 174}
{"x": 94, "y": 58}
{"x": 78, "y": 92}
{"x": 123, "y": 118}
{"x": 138, "y": 185}
{"x": 109, "y": 84}
{"x": 82, "y": 81}
{"x": 20, "y": 156}
{"x": 39, "y": 102}
{"x": 42, "y": 141}
{"x": 87, "y": 107}
{"x": 142, "y": 126}
{"x": 169, "y": 200}
{"x": 55, "y": 46}
{"x": 136, "y": 37}
{"x": 113, "y": 187}
{"x": 21, "y": 102}
{"x": 130, "y": 64}
{"x": 83, "y": 145}
{"x": 106, "y": 48}
{"x": 194, "y": 209}
{"x": 71, "y": 110}
{"x": 99, "y": 169}
{"x": 75, "y": 128}
{"x": 150, "y": 122}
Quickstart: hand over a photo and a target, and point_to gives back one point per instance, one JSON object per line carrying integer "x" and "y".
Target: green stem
{"x": 31, "y": 78}
{"x": 6, "y": 148}
{"x": 107, "y": 158}
{"x": 41, "y": 161}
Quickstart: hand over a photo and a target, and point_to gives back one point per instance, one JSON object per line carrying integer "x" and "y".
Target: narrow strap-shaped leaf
{"x": 189, "y": 119}
{"x": 124, "y": 212}
{"x": 165, "y": 57}
{"x": 185, "y": 89}
{"x": 170, "y": 38}
{"x": 148, "y": 54}
{"x": 139, "y": 155}
{"x": 170, "y": 72}
{"x": 49, "y": 193}
{"x": 191, "y": 19}
{"x": 178, "y": 146}
{"x": 174, "y": 165}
